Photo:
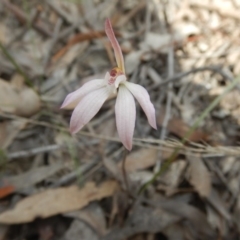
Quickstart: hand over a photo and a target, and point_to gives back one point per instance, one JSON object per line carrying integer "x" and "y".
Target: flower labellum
{"x": 93, "y": 94}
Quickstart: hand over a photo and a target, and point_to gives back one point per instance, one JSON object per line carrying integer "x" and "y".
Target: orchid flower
{"x": 91, "y": 96}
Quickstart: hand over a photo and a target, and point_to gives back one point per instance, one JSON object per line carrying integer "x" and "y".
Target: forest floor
{"x": 58, "y": 186}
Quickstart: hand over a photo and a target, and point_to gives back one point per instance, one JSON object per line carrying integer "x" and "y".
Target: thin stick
{"x": 167, "y": 145}
{"x": 192, "y": 71}
{"x": 168, "y": 107}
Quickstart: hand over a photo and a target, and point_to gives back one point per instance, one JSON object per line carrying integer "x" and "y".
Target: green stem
{"x": 204, "y": 114}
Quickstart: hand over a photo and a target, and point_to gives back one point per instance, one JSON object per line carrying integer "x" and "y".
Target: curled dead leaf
{"x": 199, "y": 176}
{"x": 22, "y": 101}
{"x": 56, "y": 201}
{"x": 180, "y": 128}
{"x": 142, "y": 159}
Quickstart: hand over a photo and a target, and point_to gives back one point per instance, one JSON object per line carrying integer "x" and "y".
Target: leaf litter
{"x": 59, "y": 45}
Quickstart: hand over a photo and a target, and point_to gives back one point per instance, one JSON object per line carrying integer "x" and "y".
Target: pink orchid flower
{"x": 93, "y": 94}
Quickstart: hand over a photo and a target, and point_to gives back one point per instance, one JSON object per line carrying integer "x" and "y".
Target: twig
{"x": 168, "y": 106}
{"x": 167, "y": 145}
{"x": 72, "y": 176}
{"x": 192, "y": 71}
{"x": 32, "y": 152}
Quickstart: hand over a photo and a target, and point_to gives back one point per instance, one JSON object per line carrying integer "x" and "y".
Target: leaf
{"x": 22, "y": 101}
{"x": 172, "y": 178}
{"x": 199, "y": 176}
{"x": 179, "y": 128}
{"x": 93, "y": 215}
{"x": 6, "y": 190}
{"x": 56, "y": 201}
{"x": 12, "y": 129}
{"x": 142, "y": 159}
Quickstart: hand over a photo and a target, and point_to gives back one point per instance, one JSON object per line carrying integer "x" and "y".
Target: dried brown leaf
{"x": 56, "y": 201}
{"x": 93, "y": 215}
{"x": 21, "y": 101}
{"x": 6, "y": 190}
{"x": 142, "y": 159}
{"x": 171, "y": 179}
{"x": 179, "y": 128}
{"x": 12, "y": 129}
{"x": 199, "y": 176}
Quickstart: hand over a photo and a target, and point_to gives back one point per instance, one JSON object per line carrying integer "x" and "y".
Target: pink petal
{"x": 115, "y": 44}
{"x": 142, "y": 96}
{"x": 87, "y": 108}
{"x": 88, "y": 87}
{"x": 125, "y": 116}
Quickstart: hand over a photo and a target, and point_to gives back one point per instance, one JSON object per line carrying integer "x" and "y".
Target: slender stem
{"x": 125, "y": 178}
{"x": 196, "y": 123}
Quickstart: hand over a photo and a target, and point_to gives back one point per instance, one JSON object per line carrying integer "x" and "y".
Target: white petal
{"x": 77, "y": 95}
{"x": 107, "y": 77}
{"x": 142, "y": 96}
{"x": 87, "y": 108}
{"x": 119, "y": 79}
{"x": 125, "y": 116}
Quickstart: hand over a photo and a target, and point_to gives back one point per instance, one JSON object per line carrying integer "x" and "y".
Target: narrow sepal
{"x": 77, "y": 95}
{"x": 87, "y": 108}
{"x": 125, "y": 111}
{"x": 115, "y": 45}
{"x": 142, "y": 96}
